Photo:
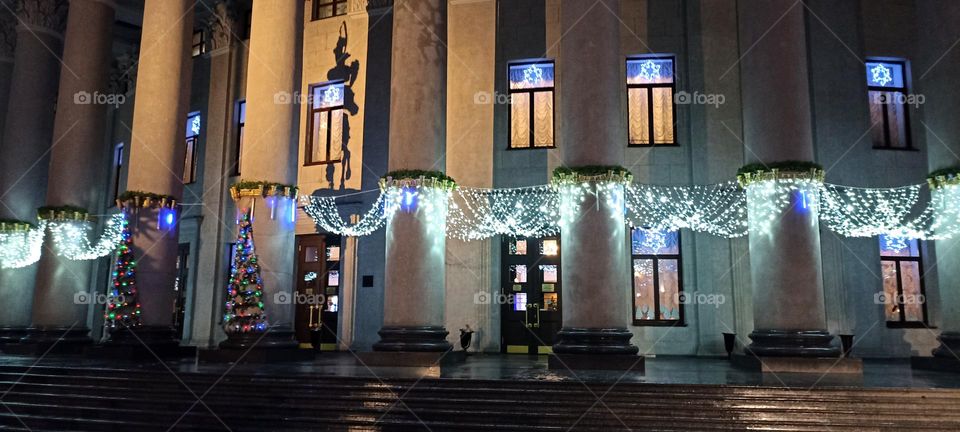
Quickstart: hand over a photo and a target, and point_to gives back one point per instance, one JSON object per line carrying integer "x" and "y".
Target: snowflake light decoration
{"x": 881, "y": 74}
{"x": 533, "y": 75}
{"x": 195, "y": 125}
{"x": 332, "y": 96}
{"x": 649, "y": 70}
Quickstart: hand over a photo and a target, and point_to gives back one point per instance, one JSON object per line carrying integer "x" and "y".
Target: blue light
{"x": 409, "y": 199}
{"x": 170, "y": 218}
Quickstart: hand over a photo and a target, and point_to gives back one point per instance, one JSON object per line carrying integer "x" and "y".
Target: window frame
{"x": 308, "y": 156}
{"x": 191, "y": 151}
{"x": 317, "y": 5}
{"x": 118, "y": 154}
{"x": 532, "y": 110}
{"x": 238, "y": 144}
{"x": 905, "y": 69}
{"x": 198, "y": 49}
{"x": 650, "y": 86}
{"x": 902, "y": 322}
{"x": 655, "y": 258}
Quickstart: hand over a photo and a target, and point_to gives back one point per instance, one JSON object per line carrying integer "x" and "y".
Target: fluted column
{"x": 595, "y": 296}
{"x": 157, "y": 153}
{"x": 936, "y": 71}
{"x": 413, "y": 315}
{"x": 28, "y": 135}
{"x": 223, "y": 27}
{"x": 785, "y": 266}
{"x": 76, "y": 171}
{"x": 271, "y": 150}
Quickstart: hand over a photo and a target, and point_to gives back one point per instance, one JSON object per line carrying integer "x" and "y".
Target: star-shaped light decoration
{"x": 332, "y": 96}
{"x": 881, "y": 74}
{"x": 533, "y": 75}
{"x": 649, "y": 70}
{"x": 195, "y": 125}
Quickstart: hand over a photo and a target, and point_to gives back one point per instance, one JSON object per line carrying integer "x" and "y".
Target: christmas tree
{"x": 245, "y": 289}
{"x": 123, "y": 306}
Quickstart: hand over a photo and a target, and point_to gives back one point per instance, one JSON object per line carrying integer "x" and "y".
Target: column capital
{"x": 48, "y": 15}
{"x": 223, "y": 25}
{"x": 8, "y": 36}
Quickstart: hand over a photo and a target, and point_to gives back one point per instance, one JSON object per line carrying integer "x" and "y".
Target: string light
{"x": 716, "y": 209}
{"x": 21, "y": 248}
{"x": 71, "y": 238}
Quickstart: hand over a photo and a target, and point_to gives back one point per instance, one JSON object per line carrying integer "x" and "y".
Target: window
{"x": 193, "y": 137}
{"x": 531, "y": 105}
{"x": 903, "y": 299}
{"x": 241, "y": 123}
{"x": 328, "y": 8}
{"x": 887, "y": 94}
{"x": 656, "y": 277}
{"x": 117, "y": 171}
{"x": 199, "y": 43}
{"x": 650, "y": 107}
{"x": 325, "y": 124}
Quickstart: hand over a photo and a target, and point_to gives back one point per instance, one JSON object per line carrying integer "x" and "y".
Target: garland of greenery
{"x": 784, "y": 170}
{"x": 136, "y": 199}
{"x": 592, "y": 173}
{"x": 944, "y": 177}
{"x": 13, "y": 225}
{"x": 264, "y": 189}
{"x": 66, "y": 212}
{"x": 417, "y": 178}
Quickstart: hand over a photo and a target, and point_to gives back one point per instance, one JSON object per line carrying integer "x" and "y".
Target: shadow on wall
{"x": 348, "y": 74}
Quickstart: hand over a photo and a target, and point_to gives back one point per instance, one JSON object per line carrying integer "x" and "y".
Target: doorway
{"x": 180, "y": 286}
{"x": 531, "y": 298}
{"x": 317, "y": 299}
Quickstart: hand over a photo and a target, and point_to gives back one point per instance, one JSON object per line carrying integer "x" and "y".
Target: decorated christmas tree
{"x": 123, "y": 306}
{"x": 245, "y": 289}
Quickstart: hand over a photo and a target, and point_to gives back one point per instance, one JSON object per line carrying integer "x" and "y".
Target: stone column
{"x": 936, "y": 71}
{"x": 76, "y": 172}
{"x": 215, "y": 230}
{"x": 413, "y": 311}
{"x": 595, "y": 296}
{"x": 157, "y": 154}
{"x": 27, "y": 137}
{"x": 785, "y": 266}
{"x": 272, "y": 148}
{"x": 8, "y": 43}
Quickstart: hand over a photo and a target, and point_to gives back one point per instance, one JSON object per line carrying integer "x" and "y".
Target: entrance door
{"x": 318, "y": 290}
{"x": 531, "y": 298}
{"x": 180, "y": 286}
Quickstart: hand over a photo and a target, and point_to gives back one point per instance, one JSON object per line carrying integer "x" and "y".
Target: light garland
{"x": 71, "y": 238}
{"x": 476, "y": 214}
{"x": 716, "y": 209}
{"x": 21, "y": 248}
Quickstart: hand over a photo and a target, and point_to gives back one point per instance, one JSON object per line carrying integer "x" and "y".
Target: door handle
{"x": 537, "y": 307}
{"x": 526, "y": 317}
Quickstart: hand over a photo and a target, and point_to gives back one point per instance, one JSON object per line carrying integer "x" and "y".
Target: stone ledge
{"x": 621, "y": 362}
{"x": 941, "y": 364}
{"x": 255, "y": 355}
{"x": 140, "y": 352}
{"x": 409, "y": 359}
{"x": 813, "y": 365}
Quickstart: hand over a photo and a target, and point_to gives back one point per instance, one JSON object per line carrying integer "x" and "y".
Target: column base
{"x": 57, "y": 340}
{"x": 277, "y": 345}
{"x": 595, "y": 341}
{"x": 777, "y": 343}
{"x": 12, "y": 335}
{"x": 804, "y": 365}
{"x": 413, "y": 339}
{"x": 949, "y": 346}
{"x": 142, "y": 343}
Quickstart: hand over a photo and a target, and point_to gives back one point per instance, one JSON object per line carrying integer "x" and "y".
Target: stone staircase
{"x": 97, "y": 399}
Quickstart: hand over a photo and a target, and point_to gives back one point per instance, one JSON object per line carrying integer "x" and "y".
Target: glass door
{"x": 530, "y": 296}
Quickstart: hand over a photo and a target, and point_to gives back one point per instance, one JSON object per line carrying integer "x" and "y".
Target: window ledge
{"x": 908, "y": 325}
{"x": 653, "y": 145}
{"x": 909, "y": 149}
{"x": 658, "y": 323}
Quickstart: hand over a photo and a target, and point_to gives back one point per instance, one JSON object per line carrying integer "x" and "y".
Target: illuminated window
{"x": 650, "y": 108}
{"x": 887, "y": 95}
{"x": 657, "y": 277}
{"x": 199, "y": 43}
{"x": 241, "y": 126}
{"x": 903, "y": 299}
{"x": 325, "y": 124}
{"x": 117, "y": 171}
{"x": 531, "y": 105}
{"x": 328, "y": 8}
{"x": 193, "y": 138}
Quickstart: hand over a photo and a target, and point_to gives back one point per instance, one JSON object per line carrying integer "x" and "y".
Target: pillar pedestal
{"x": 413, "y": 339}
{"x": 142, "y": 343}
{"x": 57, "y": 340}
{"x": 778, "y": 343}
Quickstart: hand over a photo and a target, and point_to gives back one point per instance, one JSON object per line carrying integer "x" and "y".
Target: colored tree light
{"x": 244, "y": 305}
{"x": 123, "y": 305}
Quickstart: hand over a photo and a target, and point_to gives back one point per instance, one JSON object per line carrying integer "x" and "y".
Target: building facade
{"x": 497, "y": 94}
